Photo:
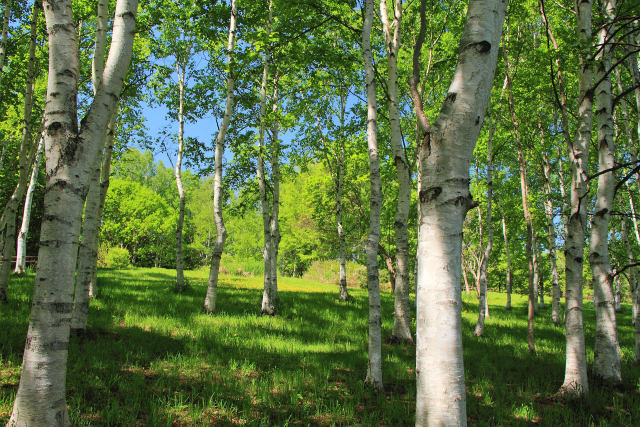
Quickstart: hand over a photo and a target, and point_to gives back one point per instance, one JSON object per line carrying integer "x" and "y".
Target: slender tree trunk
{"x": 274, "y": 227}
{"x": 524, "y": 189}
{"x": 21, "y": 251}
{"x": 40, "y": 399}
{"x": 180, "y": 68}
{"x": 464, "y": 274}
{"x": 551, "y": 231}
{"x": 606, "y": 363}
{"x": 268, "y": 298}
{"x": 104, "y": 187}
{"x": 374, "y": 369}
{"x": 446, "y": 151}
{"x": 221, "y": 231}
{"x": 88, "y": 251}
{"x": 484, "y": 265}
{"x": 8, "y": 218}
{"x": 633, "y": 284}
{"x": 402, "y": 307}
{"x": 344, "y": 294}
{"x": 3, "y": 37}
{"x": 576, "y": 383}
{"x": 508, "y": 253}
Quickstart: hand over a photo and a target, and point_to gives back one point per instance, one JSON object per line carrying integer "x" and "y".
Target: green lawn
{"x": 152, "y": 358}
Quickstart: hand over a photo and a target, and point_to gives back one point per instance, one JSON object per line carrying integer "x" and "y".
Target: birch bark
{"x": 221, "y": 231}
{"x": 268, "y": 297}
{"x": 88, "y": 251}
{"x": 551, "y": 230}
{"x": 374, "y": 369}
{"x": 524, "y": 191}
{"x": 70, "y": 155}
{"x": 446, "y": 151}
{"x": 402, "y": 307}
{"x": 8, "y": 217}
{"x": 484, "y": 263}
{"x": 606, "y": 362}
{"x": 633, "y": 284}
{"x": 575, "y": 377}
{"x": 508, "y": 253}
{"x": 21, "y": 248}
{"x": 274, "y": 226}
{"x": 3, "y": 37}
{"x": 180, "y": 69}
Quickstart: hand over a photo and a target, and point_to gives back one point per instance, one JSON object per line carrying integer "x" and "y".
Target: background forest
{"x": 244, "y": 135}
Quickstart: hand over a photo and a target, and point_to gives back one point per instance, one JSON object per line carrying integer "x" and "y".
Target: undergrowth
{"x": 151, "y": 357}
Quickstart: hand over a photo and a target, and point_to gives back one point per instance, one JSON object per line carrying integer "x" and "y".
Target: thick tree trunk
{"x": 221, "y": 231}
{"x": 40, "y": 399}
{"x": 374, "y": 369}
{"x": 446, "y": 151}
{"x": 21, "y": 247}
{"x": 530, "y": 239}
{"x": 551, "y": 231}
{"x": 576, "y": 383}
{"x": 606, "y": 362}
{"x": 402, "y": 307}
{"x": 484, "y": 264}
{"x": 178, "y": 173}
{"x": 268, "y": 297}
{"x": 8, "y": 218}
{"x": 508, "y": 253}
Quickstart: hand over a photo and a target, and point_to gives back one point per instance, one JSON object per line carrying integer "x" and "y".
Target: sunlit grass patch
{"x": 152, "y": 357}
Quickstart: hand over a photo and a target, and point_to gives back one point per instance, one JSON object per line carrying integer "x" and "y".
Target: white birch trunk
{"x": 344, "y": 294}
{"x": 484, "y": 263}
{"x": 374, "y": 368}
{"x": 3, "y": 37}
{"x": 70, "y": 155}
{"x": 402, "y": 307}
{"x": 180, "y": 68}
{"x": 508, "y": 253}
{"x": 446, "y": 152}
{"x": 221, "y": 231}
{"x": 21, "y": 247}
{"x": 274, "y": 226}
{"x": 575, "y": 382}
{"x": 606, "y": 363}
{"x": 8, "y": 218}
{"x": 268, "y": 299}
{"x": 86, "y": 264}
{"x": 633, "y": 284}
{"x": 551, "y": 231}
{"x": 524, "y": 191}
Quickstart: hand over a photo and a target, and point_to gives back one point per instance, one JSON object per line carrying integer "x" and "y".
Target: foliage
{"x": 117, "y": 258}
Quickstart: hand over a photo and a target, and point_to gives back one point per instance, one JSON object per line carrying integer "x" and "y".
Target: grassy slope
{"x": 152, "y": 358}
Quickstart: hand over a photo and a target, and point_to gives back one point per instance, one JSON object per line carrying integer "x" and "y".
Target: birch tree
{"x": 21, "y": 246}
{"x": 26, "y": 154}
{"x": 575, "y": 377}
{"x": 6, "y": 14}
{"x": 71, "y": 153}
{"x": 402, "y": 309}
{"x": 445, "y": 153}
{"x": 374, "y": 368}
{"x": 606, "y": 363}
{"x": 221, "y": 231}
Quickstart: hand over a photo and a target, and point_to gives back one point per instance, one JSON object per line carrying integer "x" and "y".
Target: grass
{"x": 152, "y": 358}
